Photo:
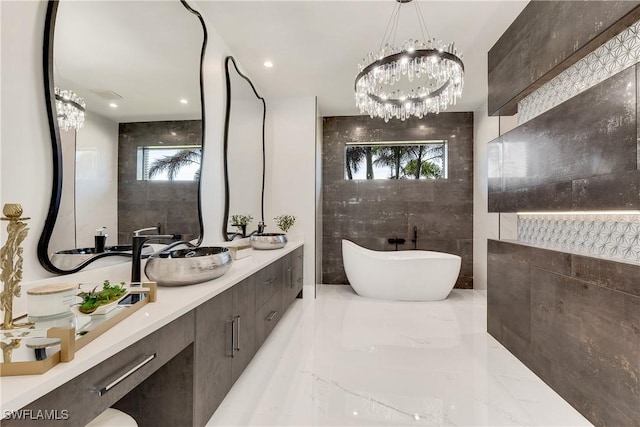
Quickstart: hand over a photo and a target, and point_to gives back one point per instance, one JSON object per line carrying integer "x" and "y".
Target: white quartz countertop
{"x": 173, "y": 302}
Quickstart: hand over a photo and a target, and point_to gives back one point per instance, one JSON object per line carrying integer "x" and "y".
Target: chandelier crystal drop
{"x": 70, "y": 109}
{"x": 431, "y": 74}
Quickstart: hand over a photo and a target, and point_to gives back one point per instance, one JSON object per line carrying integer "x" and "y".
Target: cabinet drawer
{"x": 268, "y": 282}
{"x": 267, "y": 317}
{"x": 87, "y": 395}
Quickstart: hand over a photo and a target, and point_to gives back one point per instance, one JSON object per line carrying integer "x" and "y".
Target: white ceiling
{"x": 316, "y": 45}
{"x": 148, "y": 52}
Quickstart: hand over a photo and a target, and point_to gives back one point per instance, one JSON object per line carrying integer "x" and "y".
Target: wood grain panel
{"x": 575, "y": 156}
{"x": 574, "y": 321}
{"x": 546, "y": 39}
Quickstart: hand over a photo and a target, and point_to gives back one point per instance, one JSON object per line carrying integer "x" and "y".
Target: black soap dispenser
{"x": 100, "y": 240}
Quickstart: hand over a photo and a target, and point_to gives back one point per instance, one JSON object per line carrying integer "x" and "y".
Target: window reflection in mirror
{"x": 169, "y": 163}
{"x": 396, "y": 160}
{"x": 141, "y": 87}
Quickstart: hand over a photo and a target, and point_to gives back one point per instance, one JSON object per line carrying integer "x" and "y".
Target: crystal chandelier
{"x": 412, "y": 80}
{"x": 70, "y": 108}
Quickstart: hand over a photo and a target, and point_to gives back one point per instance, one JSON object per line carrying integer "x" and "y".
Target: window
{"x": 169, "y": 163}
{"x": 396, "y": 160}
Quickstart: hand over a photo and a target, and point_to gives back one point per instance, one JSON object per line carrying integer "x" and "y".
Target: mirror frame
{"x": 225, "y": 220}
{"x": 56, "y": 145}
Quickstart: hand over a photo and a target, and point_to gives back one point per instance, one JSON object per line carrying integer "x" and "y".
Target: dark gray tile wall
{"x": 547, "y": 38}
{"x": 141, "y": 204}
{"x": 581, "y": 155}
{"x": 575, "y": 322}
{"x": 370, "y": 212}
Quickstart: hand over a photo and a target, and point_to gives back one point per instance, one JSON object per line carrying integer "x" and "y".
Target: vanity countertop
{"x": 173, "y": 302}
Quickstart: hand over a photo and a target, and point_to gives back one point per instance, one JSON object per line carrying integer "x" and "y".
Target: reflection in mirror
{"x": 135, "y": 161}
{"x": 244, "y": 154}
{"x": 396, "y": 160}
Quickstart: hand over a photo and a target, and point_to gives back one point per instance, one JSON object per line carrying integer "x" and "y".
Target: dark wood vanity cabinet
{"x": 225, "y": 344}
{"x": 212, "y": 365}
{"x": 280, "y": 283}
{"x": 294, "y": 277}
{"x": 86, "y": 396}
{"x": 196, "y": 358}
{"x": 243, "y": 320}
{"x": 231, "y": 327}
{"x": 269, "y": 299}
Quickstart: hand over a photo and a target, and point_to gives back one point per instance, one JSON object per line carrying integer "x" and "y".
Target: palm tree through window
{"x": 396, "y": 160}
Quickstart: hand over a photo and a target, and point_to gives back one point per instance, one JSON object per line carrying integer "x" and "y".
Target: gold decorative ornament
{"x": 11, "y": 261}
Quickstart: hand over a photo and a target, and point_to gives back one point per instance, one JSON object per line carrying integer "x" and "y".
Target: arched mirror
{"x": 123, "y": 89}
{"x": 244, "y": 154}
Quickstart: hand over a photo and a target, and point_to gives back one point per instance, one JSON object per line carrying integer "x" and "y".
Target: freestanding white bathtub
{"x": 400, "y": 275}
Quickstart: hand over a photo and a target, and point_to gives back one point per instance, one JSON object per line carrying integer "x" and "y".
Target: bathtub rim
{"x": 400, "y": 255}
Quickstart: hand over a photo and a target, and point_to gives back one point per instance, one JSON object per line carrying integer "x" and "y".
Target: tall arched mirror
{"x": 244, "y": 153}
{"x": 123, "y": 88}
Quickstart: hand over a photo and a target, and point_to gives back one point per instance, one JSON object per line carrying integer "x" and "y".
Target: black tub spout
{"x": 397, "y": 241}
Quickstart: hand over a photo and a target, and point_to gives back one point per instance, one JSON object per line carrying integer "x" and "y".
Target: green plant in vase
{"x": 285, "y": 222}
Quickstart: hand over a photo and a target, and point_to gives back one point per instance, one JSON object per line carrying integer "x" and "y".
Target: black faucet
{"x": 415, "y": 237}
{"x": 260, "y": 229}
{"x": 137, "y": 242}
{"x": 397, "y": 241}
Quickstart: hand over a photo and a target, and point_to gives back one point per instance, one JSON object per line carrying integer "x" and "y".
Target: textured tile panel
{"x": 609, "y": 236}
{"x": 619, "y": 53}
{"x": 371, "y": 212}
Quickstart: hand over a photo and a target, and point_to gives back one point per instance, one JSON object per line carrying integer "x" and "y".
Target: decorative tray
{"x": 48, "y": 341}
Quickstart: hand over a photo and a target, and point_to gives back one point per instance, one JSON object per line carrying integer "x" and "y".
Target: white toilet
{"x": 113, "y": 418}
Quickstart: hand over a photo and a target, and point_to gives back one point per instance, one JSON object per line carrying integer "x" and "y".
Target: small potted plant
{"x": 285, "y": 222}
{"x": 241, "y": 221}
{"x": 102, "y": 301}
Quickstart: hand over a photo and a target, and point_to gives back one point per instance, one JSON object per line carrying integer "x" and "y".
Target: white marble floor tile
{"x": 344, "y": 360}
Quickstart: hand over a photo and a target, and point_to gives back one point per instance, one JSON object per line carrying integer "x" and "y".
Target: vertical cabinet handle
{"x": 236, "y": 319}
{"x": 233, "y": 336}
{"x": 290, "y": 270}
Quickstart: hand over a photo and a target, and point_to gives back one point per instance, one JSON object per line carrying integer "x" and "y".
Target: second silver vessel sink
{"x": 188, "y": 266}
{"x": 265, "y": 241}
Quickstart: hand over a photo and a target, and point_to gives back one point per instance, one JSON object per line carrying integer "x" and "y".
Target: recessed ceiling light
{"x": 184, "y": 101}
{"x": 268, "y": 64}
{"x": 173, "y": 133}
{"x": 113, "y": 105}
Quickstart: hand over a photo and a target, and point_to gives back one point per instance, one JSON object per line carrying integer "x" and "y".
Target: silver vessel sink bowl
{"x": 182, "y": 267}
{"x": 268, "y": 241}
